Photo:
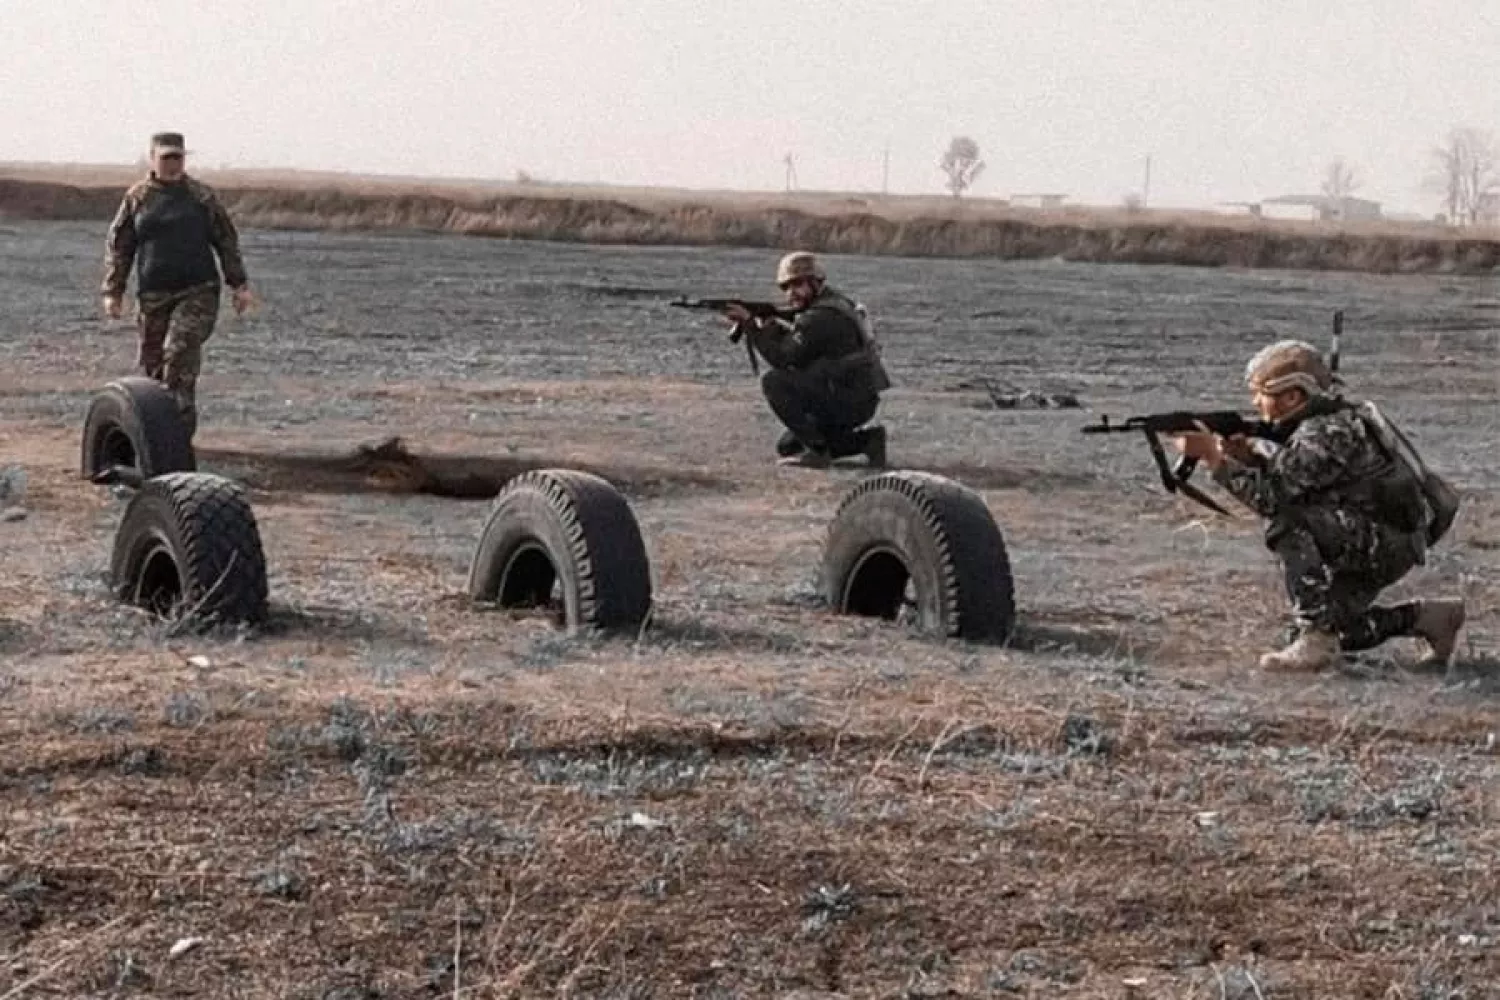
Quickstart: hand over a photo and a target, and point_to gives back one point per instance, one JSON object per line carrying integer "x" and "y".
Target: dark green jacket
{"x": 826, "y": 338}
{"x": 171, "y": 232}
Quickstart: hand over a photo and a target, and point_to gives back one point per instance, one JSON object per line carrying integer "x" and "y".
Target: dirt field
{"x": 390, "y": 794}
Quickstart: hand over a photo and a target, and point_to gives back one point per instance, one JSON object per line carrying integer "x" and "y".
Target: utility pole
{"x": 1146, "y": 188}
{"x": 791, "y": 173}
{"x": 885, "y": 171}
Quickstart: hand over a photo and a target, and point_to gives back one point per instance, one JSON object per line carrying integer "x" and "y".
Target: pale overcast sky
{"x": 1233, "y": 100}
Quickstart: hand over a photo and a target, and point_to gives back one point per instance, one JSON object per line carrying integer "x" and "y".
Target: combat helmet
{"x": 1289, "y": 364}
{"x": 799, "y": 264}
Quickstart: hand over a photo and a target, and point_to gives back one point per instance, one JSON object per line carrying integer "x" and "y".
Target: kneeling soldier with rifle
{"x": 825, "y": 375}
{"x": 1351, "y": 510}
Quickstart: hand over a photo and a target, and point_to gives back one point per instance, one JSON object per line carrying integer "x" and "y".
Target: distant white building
{"x": 1318, "y": 206}
{"x": 1288, "y": 207}
{"x": 1488, "y": 210}
{"x": 1038, "y": 200}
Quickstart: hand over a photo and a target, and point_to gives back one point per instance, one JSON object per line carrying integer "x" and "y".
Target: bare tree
{"x": 1466, "y": 172}
{"x": 1340, "y": 181}
{"x": 962, "y": 164}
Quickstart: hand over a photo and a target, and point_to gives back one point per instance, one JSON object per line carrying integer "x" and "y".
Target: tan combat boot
{"x": 1311, "y": 651}
{"x": 1439, "y": 623}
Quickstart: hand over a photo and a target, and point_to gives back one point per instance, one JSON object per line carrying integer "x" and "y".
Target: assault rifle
{"x": 757, "y": 310}
{"x": 1224, "y": 423}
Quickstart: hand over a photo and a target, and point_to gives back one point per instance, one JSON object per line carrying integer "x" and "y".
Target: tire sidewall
{"x": 150, "y": 521}
{"x": 519, "y": 517}
{"x": 205, "y": 528}
{"x": 147, "y": 413}
{"x": 887, "y": 521}
{"x": 112, "y": 409}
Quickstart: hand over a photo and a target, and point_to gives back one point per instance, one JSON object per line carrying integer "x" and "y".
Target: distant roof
{"x": 1316, "y": 200}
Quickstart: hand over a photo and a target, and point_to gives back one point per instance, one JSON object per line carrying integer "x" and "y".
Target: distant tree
{"x": 1466, "y": 173}
{"x": 962, "y": 164}
{"x": 1340, "y": 181}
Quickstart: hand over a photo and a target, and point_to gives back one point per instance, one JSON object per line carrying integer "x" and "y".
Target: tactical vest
{"x": 869, "y": 354}
{"x": 174, "y": 239}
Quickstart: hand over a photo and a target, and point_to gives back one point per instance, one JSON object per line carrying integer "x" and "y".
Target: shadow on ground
{"x": 284, "y": 621}
{"x": 11, "y": 635}
{"x": 1478, "y": 673}
{"x": 1032, "y": 636}
{"x": 389, "y": 467}
{"x": 991, "y": 477}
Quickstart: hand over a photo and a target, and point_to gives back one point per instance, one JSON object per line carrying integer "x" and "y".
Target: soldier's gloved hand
{"x": 736, "y": 312}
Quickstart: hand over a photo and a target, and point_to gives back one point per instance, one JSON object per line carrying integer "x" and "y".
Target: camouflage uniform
{"x": 825, "y": 376}
{"x": 170, "y": 232}
{"x": 1346, "y": 521}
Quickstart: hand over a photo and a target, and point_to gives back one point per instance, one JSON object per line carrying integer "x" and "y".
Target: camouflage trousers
{"x": 1336, "y": 562}
{"x": 173, "y": 329}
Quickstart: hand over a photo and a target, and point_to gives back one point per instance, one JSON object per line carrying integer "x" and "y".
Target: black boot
{"x": 874, "y": 449}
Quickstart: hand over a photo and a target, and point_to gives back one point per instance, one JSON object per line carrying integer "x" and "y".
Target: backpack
{"x": 1442, "y": 498}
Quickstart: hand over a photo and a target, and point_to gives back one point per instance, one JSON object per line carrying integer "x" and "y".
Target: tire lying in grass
{"x": 134, "y": 422}
{"x": 902, "y": 538}
{"x": 566, "y": 540}
{"x": 188, "y": 549}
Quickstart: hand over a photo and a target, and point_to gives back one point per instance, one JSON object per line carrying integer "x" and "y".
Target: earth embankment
{"x": 842, "y": 225}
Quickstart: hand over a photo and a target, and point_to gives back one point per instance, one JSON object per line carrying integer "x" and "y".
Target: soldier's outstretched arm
{"x": 226, "y": 240}
{"x": 119, "y": 249}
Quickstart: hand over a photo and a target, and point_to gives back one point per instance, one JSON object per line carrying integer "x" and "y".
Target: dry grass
{"x": 747, "y": 798}
{"x": 387, "y": 793}
{"x": 922, "y": 226}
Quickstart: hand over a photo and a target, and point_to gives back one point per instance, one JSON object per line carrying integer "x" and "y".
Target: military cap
{"x": 167, "y": 142}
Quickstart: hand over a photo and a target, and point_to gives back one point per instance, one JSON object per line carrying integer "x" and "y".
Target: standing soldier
{"x": 825, "y": 375}
{"x": 170, "y": 226}
{"x": 1348, "y": 513}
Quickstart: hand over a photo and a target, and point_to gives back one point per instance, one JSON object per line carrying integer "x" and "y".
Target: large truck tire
{"x": 134, "y": 423}
{"x": 918, "y": 538}
{"x": 188, "y": 548}
{"x": 565, "y": 539}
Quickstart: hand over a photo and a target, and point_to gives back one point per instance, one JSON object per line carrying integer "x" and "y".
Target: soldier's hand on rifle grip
{"x": 1238, "y": 448}
{"x": 736, "y": 313}
{"x": 1203, "y": 446}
